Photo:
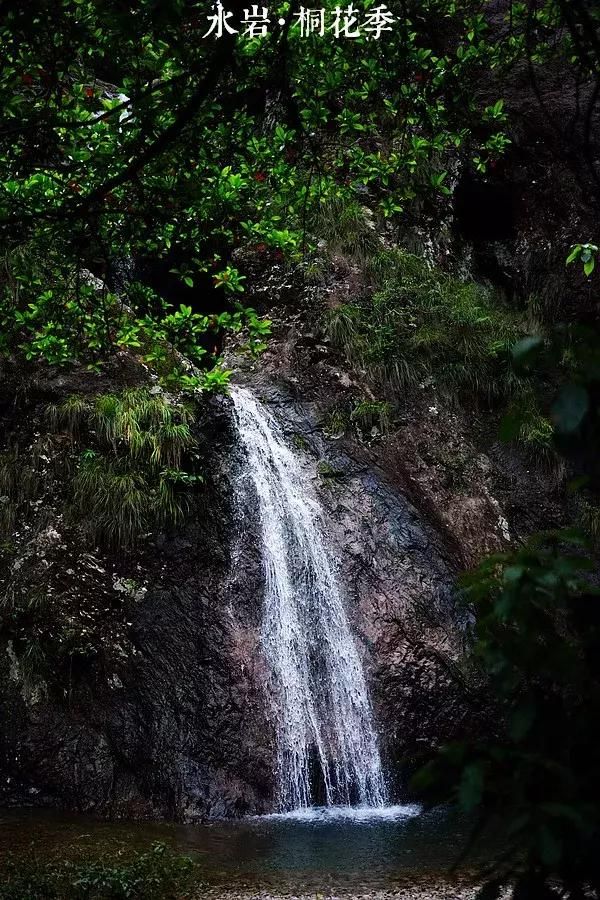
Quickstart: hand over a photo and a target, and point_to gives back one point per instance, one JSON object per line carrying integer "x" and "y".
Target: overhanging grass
{"x": 420, "y": 325}
{"x": 131, "y": 480}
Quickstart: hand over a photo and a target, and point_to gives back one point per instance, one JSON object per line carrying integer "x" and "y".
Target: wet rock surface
{"x": 160, "y": 707}
{"x": 149, "y": 707}
{"x": 166, "y": 713}
{"x": 398, "y": 584}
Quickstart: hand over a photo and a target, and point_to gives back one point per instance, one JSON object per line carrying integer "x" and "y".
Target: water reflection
{"x": 318, "y": 848}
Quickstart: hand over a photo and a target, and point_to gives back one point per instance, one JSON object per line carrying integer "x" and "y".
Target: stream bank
{"x": 273, "y": 856}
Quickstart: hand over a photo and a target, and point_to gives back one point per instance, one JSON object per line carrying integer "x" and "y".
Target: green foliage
{"x": 371, "y": 417}
{"x": 551, "y": 30}
{"x": 115, "y": 468}
{"x": 327, "y": 472}
{"x": 81, "y": 320}
{"x": 589, "y": 518}
{"x": 335, "y": 423}
{"x": 230, "y": 280}
{"x": 536, "y": 636}
{"x": 420, "y": 324}
{"x": 347, "y": 228}
{"x": 525, "y": 423}
{"x": 536, "y": 433}
{"x": 134, "y": 481}
{"x": 586, "y": 254}
{"x": 401, "y": 82}
{"x": 168, "y": 165}
{"x": 566, "y": 366}
{"x": 154, "y": 874}
{"x": 367, "y": 418}
{"x": 116, "y": 500}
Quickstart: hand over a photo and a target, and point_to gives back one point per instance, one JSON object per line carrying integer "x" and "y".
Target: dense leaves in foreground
{"x": 537, "y": 637}
{"x": 133, "y": 135}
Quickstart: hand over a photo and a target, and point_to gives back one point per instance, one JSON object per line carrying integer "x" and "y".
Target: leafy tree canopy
{"x": 130, "y": 133}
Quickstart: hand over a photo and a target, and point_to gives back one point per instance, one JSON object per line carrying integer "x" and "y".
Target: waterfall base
{"x": 364, "y": 814}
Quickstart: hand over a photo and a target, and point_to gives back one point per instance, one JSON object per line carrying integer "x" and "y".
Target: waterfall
{"x": 325, "y": 732}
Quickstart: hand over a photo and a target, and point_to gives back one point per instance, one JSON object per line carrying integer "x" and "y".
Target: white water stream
{"x": 327, "y": 743}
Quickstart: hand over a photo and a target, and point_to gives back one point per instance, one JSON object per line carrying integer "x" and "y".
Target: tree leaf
{"x": 526, "y": 350}
{"x": 570, "y": 408}
{"x": 470, "y": 790}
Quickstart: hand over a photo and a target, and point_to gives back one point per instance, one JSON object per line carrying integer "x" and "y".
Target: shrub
{"x": 535, "y": 633}
{"x": 133, "y": 481}
{"x": 78, "y": 319}
{"x": 155, "y": 874}
{"x": 420, "y": 324}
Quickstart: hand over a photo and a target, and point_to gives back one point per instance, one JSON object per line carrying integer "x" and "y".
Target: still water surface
{"x": 319, "y": 849}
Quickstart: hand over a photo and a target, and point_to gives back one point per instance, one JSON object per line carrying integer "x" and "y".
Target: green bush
{"x": 535, "y": 634}
{"x": 155, "y": 874}
{"x": 133, "y": 480}
{"x": 78, "y": 319}
{"x": 421, "y": 325}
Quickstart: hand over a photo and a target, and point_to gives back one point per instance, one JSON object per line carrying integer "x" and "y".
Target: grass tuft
{"x": 68, "y": 415}
{"x": 371, "y": 416}
{"x": 133, "y": 482}
{"x": 421, "y": 325}
{"x": 589, "y": 517}
{"x": 347, "y": 228}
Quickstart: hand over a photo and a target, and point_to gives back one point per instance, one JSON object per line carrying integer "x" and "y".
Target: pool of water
{"x": 319, "y": 849}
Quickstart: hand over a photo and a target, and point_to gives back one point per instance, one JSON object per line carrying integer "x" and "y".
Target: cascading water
{"x": 325, "y": 724}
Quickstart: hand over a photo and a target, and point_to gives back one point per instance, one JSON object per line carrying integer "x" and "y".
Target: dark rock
{"x": 169, "y": 717}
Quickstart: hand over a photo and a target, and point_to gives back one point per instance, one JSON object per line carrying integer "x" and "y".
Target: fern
{"x": 126, "y": 487}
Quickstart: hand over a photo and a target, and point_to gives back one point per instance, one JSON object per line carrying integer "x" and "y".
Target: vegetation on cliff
{"x": 144, "y": 151}
{"x": 155, "y": 140}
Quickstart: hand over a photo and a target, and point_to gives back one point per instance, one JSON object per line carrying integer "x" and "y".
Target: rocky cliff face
{"x": 398, "y": 582}
{"x": 159, "y": 707}
{"x": 154, "y": 713}
{"x": 151, "y": 699}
